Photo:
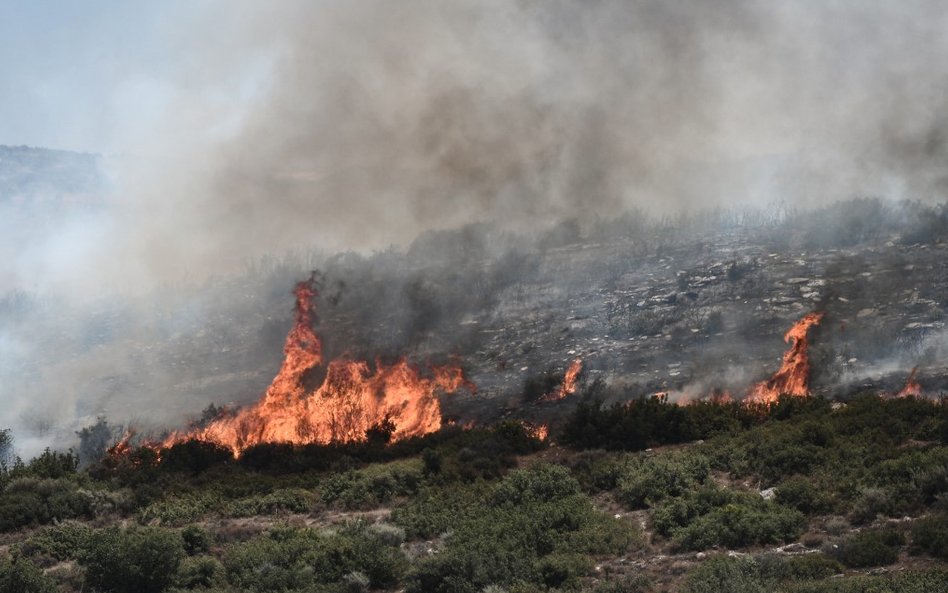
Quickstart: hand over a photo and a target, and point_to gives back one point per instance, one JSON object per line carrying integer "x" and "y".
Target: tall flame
{"x": 352, "y": 399}
{"x": 569, "y": 384}
{"x": 794, "y": 375}
{"x": 912, "y": 387}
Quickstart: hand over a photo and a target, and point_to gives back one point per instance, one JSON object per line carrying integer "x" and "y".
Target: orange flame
{"x": 541, "y": 432}
{"x": 912, "y": 387}
{"x": 352, "y": 398}
{"x": 793, "y": 376}
{"x": 569, "y": 384}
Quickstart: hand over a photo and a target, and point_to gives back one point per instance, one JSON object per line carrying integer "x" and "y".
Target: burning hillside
{"x": 352, "y": 399}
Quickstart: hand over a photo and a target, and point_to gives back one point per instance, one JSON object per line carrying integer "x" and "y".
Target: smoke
{"x": 361, "y": 124}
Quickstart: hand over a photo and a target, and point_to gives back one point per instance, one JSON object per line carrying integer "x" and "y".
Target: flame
{"x": 569, "y": 384}
{"x": 352, "y": 399}
{"x": 541, "y": 432}
{"x": 793, "y": 376}
{"x": 912, "y": 387}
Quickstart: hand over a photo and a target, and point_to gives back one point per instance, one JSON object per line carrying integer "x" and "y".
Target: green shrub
{"x": 290, "y": 559}
{"x": 535, "y": 529}
{"x": 373, "y": 485}
{"x": 178, "y": 510}
{"x": 29, "y": 501}
{"x": 739, "y": 525}
{"x": 196, "y": 540}
{"x": 793, "y": 568}
{"x": 869, "y": 548}
{"x": 803, "y": 495}
{"x": 563, "y": 570}
{"x": 200, "y": 572}
{"x": 287, "y": 500}
{"x": 930, "y": 535}
{"x": 651, "y": 479}
{"x": 721, "y": 574}
{"x": 19, "y": 575}
{"x": 61, "y": 542}
{"x": 141, "y": 559}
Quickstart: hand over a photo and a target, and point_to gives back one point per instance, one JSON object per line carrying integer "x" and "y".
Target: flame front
{"x": 352, "y": 398}
{"x": 794, "y": 375}
{"x": 912, "y": 387}
{"x": 570, "y": 382}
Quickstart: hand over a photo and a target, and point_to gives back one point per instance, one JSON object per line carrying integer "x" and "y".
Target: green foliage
{"x": 200, "y": 572}
{"x": 373, "y": 485}
{"x": 19, "y": 575}
{"x": 535, "y": 526}
{"x": 141, "y": 559}
{"x": 803, "y": 495}
{"x": 195, "y": 540}
{"x": 869, "y": 548}
{"x": 286, "y": 500}
{"x": 930, "y": 535}
{"x": 299, "y": 559}
{"x": 720, "y": 574}
{"x": 646, "y": 481}
{"x": 713, "y": 516}
{"x": 30, "y": 501}
{"x": 178, "y": 510}
{"x": 60, "y": 542}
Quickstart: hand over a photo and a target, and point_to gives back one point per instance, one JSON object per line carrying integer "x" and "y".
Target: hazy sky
{"x": 89, "y": 75}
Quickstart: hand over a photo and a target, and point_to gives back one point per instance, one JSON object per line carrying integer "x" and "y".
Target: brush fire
{"x": 793, "y": 378}
{"x": 353, "y": 398}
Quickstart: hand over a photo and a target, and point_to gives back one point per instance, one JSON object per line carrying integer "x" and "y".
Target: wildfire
{"x": 541, "y": 432}
{"x": 793, "y": 376}
{"x": 569, "y": 384}
{"x": 353, "y": 397}
{"x": 912, "y": 387}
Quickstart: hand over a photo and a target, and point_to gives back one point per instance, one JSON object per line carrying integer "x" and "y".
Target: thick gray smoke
{"x": 374, "y": 120}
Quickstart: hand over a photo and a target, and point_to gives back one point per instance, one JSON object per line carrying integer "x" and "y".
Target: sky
{"x": 92, "y": 76}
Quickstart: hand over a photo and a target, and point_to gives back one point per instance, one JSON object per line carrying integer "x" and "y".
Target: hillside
{"x": 800, "y": 496}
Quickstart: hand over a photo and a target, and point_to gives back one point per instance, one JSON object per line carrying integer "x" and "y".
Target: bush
{"x": 289, "y": 500}
{"x": 196, "y": 540}
{"x": 19, "y": 575}
{"x": 200, "y": 572}
{"x": 29, "y": 501}
{"x": 803, "y": 495}
{"x": 655, "y": 478}
{"x": 739, "y": 525}
{"x": 720, "y": 574}
{"x": 534, "y": 529}
{"x": 290, "y": 559}
{"x": 141, "y": 559}
{"x": 869, "y": 548}
{"x": 930, "y": 535}
{"x": 61, "y": 542}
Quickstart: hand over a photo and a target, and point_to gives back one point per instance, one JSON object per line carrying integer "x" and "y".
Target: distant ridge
{"x": 29, "y": 174}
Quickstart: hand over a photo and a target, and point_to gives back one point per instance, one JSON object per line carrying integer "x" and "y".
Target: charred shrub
{"x": 195, "y": 456}
{"x": 537, "y": 386}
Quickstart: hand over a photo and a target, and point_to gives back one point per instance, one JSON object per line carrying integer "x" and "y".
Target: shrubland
{"x": 798, "y": 497}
